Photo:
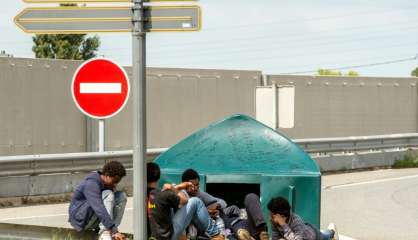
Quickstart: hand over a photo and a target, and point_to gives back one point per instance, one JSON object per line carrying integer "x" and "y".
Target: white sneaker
{"x": 333, "y": 227}
{"x": 105, "y": 236}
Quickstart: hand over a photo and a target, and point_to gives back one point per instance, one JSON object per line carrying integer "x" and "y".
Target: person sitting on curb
{"x": 169, "y": 212}
{"x": 250, "y": 228}
{"x": 289, "y": 226}
{"x": 95, "y": 205}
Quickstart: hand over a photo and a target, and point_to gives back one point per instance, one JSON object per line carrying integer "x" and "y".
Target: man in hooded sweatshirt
{"x": 95, "y": 205}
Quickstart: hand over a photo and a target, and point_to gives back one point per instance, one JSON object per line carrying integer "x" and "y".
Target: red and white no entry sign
{"x": 100, "y": 88}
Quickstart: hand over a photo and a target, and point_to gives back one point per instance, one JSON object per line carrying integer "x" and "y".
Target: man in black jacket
{"x": 169, "y": 212}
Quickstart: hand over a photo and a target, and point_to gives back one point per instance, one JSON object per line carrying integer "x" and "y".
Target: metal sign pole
{"x": 101, "y": 135}
{"x": 139, "y": 122}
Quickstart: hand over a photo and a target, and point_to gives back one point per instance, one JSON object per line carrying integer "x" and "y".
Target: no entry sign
{"x": 100, "y": 88}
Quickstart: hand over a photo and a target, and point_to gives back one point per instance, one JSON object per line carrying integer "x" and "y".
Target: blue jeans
{"x": 114, "y": 203}
{"x": 326, "y": 234}
{"x": 255, "y": 219}
{"x": 193, "y": 212}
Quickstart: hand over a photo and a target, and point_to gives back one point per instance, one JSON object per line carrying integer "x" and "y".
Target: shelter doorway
{"x": 232, "y": 193}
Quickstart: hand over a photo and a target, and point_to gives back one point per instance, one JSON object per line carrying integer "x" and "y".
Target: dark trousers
{"x": 255, "y": 219}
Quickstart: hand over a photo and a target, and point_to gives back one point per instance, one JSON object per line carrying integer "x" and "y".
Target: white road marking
{"x": 100, "y": 88}
{"x": 43, "y": 216}
{"x": 32, "y": 217}
{"x": 342, "y": 237}
{"x": 369, "y": 182}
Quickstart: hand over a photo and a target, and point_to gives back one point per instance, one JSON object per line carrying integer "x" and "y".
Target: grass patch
{"x": 409, "y": 161}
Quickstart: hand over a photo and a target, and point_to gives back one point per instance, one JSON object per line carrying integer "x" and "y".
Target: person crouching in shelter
{"x": 169, "y": 212}
{"x": 289, "y": 226}
{"x": 253, "y": 227}
{"x": 95, "y": 205}
{"x": 212, "y": 204}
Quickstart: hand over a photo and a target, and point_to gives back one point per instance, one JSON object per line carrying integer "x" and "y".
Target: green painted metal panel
{"x": 238, "y": 144}
{"x": 242, "y": 150}
{"x": 302, "y": 192}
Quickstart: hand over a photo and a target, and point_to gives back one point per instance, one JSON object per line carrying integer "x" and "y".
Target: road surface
{"x": 381, "y": 205}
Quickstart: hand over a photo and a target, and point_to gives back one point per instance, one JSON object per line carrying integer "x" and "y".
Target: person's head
{"x": 279, "y": 205}
{"x": 112, "y": 173}
{"x": 153, "y": 172}
{"x": 192, "y": 176}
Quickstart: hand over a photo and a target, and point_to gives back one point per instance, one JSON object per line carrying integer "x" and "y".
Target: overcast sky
{"x": 275, "y": 36}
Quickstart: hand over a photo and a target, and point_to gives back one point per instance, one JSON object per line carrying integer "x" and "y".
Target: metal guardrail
{"x": 82, "y": 162}
{"x": 356, "y": 144}
{"x": 65, "y": 162}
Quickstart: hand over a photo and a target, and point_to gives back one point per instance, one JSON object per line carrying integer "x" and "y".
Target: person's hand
{"x": 190, "y": 188}
{"x": 213, "y": 213}
{"x": 184, "y": 185}
{"x": 183, "y": 236}
{"x": 213, "y": 210}
{"x": 279, "y": 219}
{"x": 118, "y": 236}
{"x": 167, "y": 186}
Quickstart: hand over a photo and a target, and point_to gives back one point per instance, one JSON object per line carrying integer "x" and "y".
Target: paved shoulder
{"x": 364, "y": 204}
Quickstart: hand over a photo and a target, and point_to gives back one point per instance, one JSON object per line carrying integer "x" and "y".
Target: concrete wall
{"x": 351, "y": 106}
{"x": 38, "y": 115}
{"x": 181, "y": 101}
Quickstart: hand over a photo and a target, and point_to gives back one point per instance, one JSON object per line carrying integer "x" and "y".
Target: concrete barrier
{"x": 16, "y": 231}
{"x": 360, "y": 160}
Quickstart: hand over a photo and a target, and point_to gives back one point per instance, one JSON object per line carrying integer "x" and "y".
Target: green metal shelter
{"x": 240, "y": 155}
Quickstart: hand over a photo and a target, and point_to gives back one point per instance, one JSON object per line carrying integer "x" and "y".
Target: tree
{"x": 65, "y": 46}
{"x": 352, "y": 73}
{"x": 414, "y": 73}
{"x": 328, "y": 72}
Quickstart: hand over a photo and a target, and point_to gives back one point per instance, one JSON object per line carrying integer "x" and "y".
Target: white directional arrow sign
{"x": 55, "y": 20}
{"x": 61, "y": 20}
{"x": 172, "y": 18}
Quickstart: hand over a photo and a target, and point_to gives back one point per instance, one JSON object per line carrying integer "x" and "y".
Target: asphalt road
{"x": 381, "y": 205}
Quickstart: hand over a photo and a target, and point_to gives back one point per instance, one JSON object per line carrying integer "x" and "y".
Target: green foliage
{"x": 414, "y": 73}
{"x": 409, "y": 161}
{"x": 62, "y": 235}
{"x": 352, "y": 73}
{"x": 328, "y": 72}
{"x": 65, "y": 46}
